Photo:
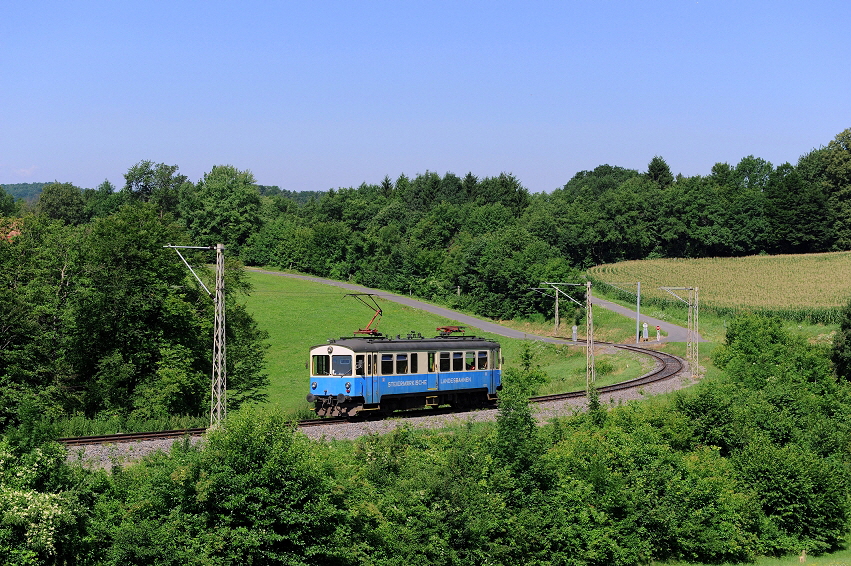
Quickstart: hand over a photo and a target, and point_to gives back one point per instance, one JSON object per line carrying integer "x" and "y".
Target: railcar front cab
{"x": 355, "y": 374}
{"x": 336, "y": 383}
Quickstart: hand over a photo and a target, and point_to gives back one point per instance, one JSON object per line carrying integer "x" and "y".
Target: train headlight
{"x": 314, "y": 385}
{"x": 348, "y": 387}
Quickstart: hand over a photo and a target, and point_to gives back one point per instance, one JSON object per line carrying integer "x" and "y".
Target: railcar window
{"x": 431, "y": 362}
{"x": 444, "y": 361}
{"x": 470, "y": 360}
{"x": 321, "y": 365}
{"x": 483, "y": 360}
{"x": 341, "y": 365}
{"x": 359, "y": 368}
{"x": 386, "y": 364}
{"x": 401, "y": 363}
{"x": 414, "y": 368}
{"x": 457, "y": 361}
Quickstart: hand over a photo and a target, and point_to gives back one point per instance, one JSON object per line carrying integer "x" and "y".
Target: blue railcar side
{"x": 457, "y": 368}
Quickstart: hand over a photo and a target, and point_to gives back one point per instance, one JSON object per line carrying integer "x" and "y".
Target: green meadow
{"x": 300, "y": 314}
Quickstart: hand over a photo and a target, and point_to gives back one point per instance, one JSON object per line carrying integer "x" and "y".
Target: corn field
{"x": 805, "y": 288}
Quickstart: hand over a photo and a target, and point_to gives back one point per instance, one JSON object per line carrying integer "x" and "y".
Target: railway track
{"x": 667, "y": 366}
{"x": 130, "y": 437}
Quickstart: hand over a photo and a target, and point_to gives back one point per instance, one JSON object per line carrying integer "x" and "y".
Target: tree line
{"x": 480, "y": 244}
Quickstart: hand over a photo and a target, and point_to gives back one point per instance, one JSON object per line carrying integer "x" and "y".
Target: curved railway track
{"x": 667, "y": 366}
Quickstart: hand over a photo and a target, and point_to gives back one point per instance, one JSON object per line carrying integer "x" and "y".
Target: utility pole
{"x": 558, "y": 292}
{"x": 218, "y": 386}
{"x": 692, "y": 333}
{"x": 638, "y": 314}
{"x": 590, "y": 373}
{"x": 556, "y": 329}
{"x": 620, "y": 287}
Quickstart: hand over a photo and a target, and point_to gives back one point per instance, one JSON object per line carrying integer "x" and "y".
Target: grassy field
{"x": 300, "y": 314}
{"x": 798, "y": 287}
{"x": 840, "y": 558}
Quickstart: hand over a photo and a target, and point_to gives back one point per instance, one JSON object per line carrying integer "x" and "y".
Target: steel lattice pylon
{"x": 218, "y": 388}
{"x": 692, "y": 332}
{"x": 218, "y": 391}
{"x": 590, "y": 373}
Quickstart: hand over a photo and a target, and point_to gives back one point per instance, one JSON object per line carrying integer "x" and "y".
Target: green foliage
{"x": 223, "y": 208}
{"x": 515, "y": 444}
{"x": 100, "y": 318}
{"x": 158, "y": 184}
{"x": 255, "y": 493}
{"x": 804, "y": 497}
{"x": 841, "y": 350}
{"x": 103, "y": 200}
{"x": 42, "y": 511}
{"x": 719, "y": 473}
{"x": 659, "y": 172}
{"x": 759, "y": 353}
{"x": 8, "y": 206}
{"x": 176, "y": 388}
{"x": 80, "y": 425}
{"x": 783, "y": 419}
{"x": 62, "y": 201}
{"x": 837, "y": 179}
{"x": 126, "y": 310}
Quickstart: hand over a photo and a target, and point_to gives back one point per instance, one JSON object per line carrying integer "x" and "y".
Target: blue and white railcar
{"x": 385, "y": 374}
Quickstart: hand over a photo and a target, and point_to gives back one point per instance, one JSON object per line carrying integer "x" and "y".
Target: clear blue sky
{"x": 317, "y": 95}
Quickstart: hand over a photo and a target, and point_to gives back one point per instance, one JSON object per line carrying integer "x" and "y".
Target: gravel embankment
{"x": 120, "y": 454}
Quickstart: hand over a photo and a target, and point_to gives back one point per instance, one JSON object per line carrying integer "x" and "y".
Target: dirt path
{"x": 674, "y": 333}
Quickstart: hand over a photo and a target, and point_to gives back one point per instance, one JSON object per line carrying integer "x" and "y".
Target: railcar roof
{"x": 411, "y": 344}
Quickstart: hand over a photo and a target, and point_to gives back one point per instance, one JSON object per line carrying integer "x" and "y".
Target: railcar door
{"x": 362, "y": 371}
{"x": 366, "y": 366}
{"x": 431, "y": 372}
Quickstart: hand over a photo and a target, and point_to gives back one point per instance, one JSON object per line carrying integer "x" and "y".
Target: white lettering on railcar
{"x": 409, "y": 383}
{"x": 457, "y": 380}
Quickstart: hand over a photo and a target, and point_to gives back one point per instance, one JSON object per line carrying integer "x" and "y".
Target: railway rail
{"x": 130, "y": 437}
{"x": 667, "y": 366}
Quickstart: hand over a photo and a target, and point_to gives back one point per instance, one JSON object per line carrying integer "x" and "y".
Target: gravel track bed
{"x": 542, "y": 411}
{"x": 107, "y": 455}
{"x": 121, "y": 453}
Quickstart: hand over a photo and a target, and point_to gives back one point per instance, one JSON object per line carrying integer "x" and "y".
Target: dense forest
{"x": 97, "y": 319}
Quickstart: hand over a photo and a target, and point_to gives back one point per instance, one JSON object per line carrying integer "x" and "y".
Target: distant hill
{"x": 26, "y": 191}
